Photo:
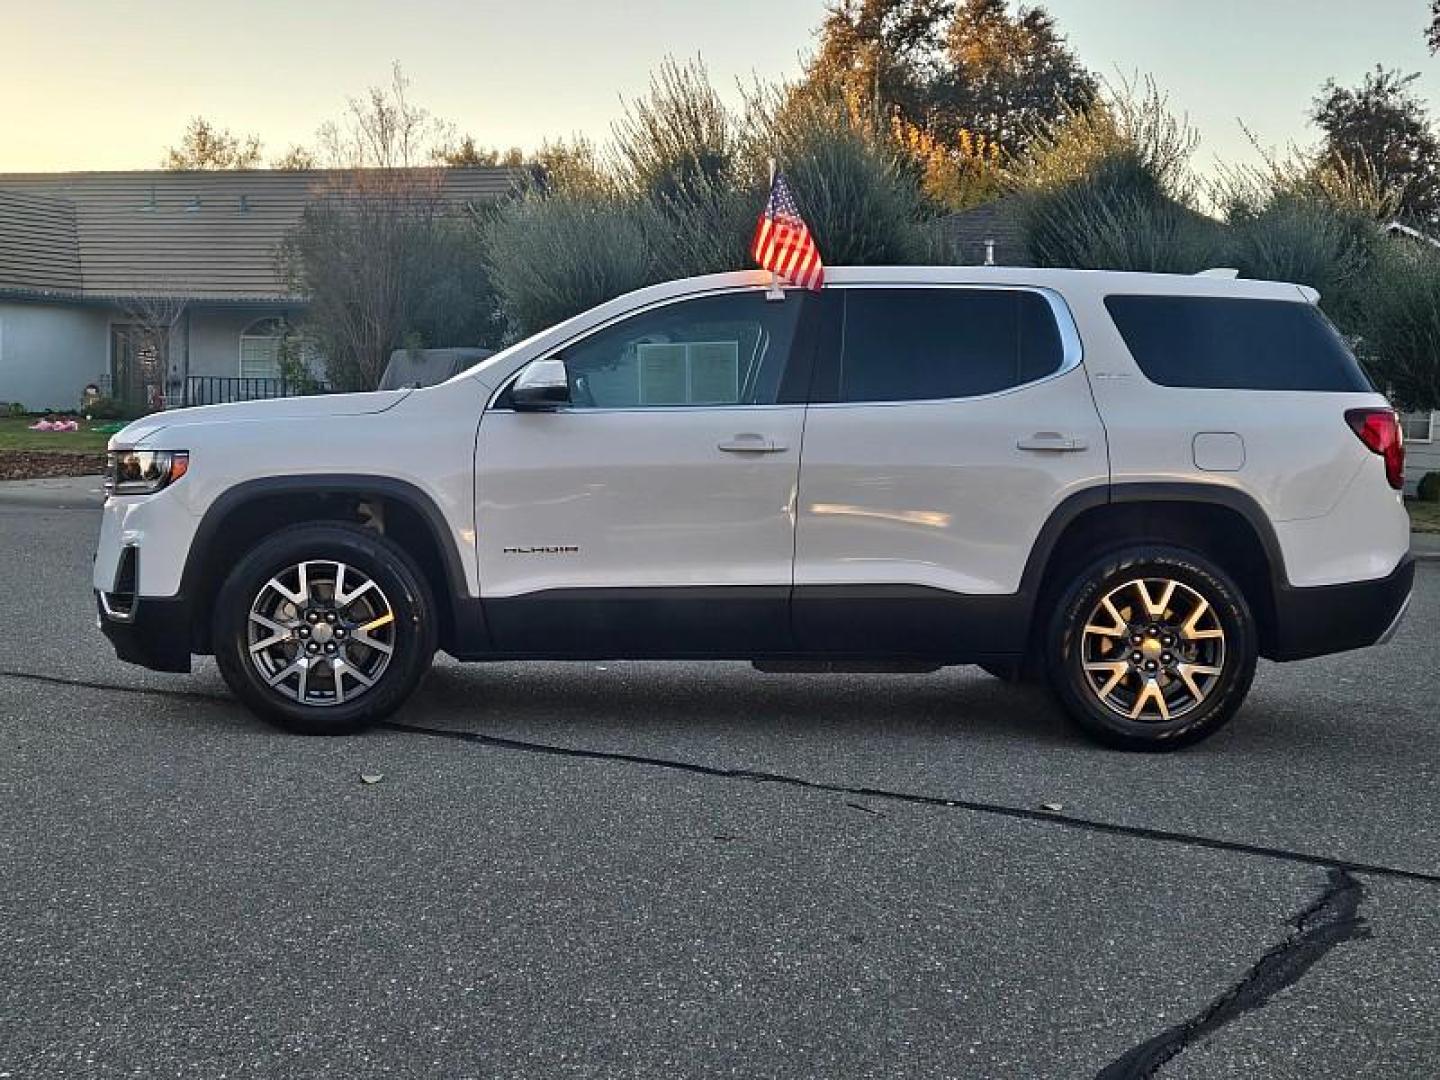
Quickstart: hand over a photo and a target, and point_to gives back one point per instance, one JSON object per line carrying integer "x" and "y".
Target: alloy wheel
{"x": 321, "y": 632}
{"x": 1152, "y": 649}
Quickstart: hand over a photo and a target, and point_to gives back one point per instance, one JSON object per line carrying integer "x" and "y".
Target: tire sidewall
{"x": 1189, "y": 568}
{"x": 385, "y": 563}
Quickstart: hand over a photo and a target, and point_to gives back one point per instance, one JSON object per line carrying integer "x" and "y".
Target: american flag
{"x": 783, "y": 242}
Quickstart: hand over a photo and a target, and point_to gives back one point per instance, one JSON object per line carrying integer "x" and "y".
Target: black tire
{"x": 402, "y": 585}
{"x": 1199, "y": 582}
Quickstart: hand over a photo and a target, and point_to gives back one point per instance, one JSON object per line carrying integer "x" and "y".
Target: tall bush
{"x": 386, "y": 261}
{"x": 682, "y": 150}
{"x": 679, "y": 189}
{"x": 859, "y": 193}
{"x": 1107, "y": 186}
{"x": 1399, "y": 324}
{"x": 1313, "y": 223}
{"x": 553, "y": 254}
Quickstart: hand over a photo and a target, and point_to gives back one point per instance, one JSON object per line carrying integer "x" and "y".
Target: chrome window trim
{"x": 1071, "y": 356}
{"x": 1072, "y": 348}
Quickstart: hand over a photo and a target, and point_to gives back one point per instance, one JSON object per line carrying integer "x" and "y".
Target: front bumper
{"x": 1327, "y": 619}
{"x": 154, "y": 633}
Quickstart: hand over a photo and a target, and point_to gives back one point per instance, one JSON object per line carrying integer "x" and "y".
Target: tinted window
{"x": 917, "y": 344}
{"x": 729, "y": 349}
{"x": 1233, "y": 344}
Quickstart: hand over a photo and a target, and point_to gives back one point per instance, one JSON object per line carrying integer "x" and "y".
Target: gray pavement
{"x": 698, "y": 870}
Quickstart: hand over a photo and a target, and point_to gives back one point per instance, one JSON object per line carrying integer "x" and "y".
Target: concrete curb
{"x": 1425, "y": 546}
{"x": 56, "y": 493}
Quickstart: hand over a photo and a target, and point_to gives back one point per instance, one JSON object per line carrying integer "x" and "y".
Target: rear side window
{"x": 918, "y": 344}
{"x": 1233, "y": 344}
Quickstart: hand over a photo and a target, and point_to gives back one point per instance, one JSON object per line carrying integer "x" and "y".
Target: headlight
{"x": 143, "y": 472}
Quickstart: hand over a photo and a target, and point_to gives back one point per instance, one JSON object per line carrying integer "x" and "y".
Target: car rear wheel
{"x": 324, "y": 628}
{"x": 1152, "y": 648}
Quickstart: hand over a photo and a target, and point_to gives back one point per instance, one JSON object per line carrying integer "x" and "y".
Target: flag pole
{"x": 775, "y": 292}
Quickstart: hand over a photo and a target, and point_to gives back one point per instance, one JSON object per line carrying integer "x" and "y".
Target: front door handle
{"x": 1052, "y": 441}
{"x": 751, "y": 443}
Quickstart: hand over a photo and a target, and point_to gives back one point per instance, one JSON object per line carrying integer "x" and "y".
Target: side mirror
{"x": 541, "y": 387}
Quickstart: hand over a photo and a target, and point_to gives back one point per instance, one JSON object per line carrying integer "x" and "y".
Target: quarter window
{"x": 1229, "y": 343}
{"x": 728, "y": 349}
{"x": 918, "y": 344}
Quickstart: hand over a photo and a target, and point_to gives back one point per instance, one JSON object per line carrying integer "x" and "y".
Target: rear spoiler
{"x": 1229, "y": 273}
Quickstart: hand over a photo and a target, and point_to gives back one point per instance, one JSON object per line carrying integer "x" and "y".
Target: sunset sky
{"x": 109, "y": 85}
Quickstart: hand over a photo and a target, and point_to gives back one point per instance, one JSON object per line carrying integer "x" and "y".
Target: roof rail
{"x": 1226, "y": 272}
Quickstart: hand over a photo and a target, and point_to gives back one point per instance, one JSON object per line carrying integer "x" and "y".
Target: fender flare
{"x": 388, "y": 487}
{"x": 1116, "y": 494}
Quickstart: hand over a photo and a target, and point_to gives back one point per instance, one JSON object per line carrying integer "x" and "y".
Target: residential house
{"x": 91, "y": 264}
{"x": 987, "y": 234}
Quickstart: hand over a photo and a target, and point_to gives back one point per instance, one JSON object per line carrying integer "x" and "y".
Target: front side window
{"x": 921, "y": 344}
{"x": 1229, "y": 343}
{"x": 728, "y": 349}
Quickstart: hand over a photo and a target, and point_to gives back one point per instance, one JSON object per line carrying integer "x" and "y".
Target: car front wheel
{"x": 324, "y": 628}
{"x": 1152, "y": 648}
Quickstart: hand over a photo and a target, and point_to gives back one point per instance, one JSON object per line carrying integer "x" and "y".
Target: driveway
{"x": 699, "y": 870}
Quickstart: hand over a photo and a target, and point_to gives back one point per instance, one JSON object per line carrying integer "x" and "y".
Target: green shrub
{"x": 679, "y": 143}
{"x": 1315, "y": 224}
{"x": 551, "y": 255}
{"x": 858, "y": 194}
{"x": 1117, "y": 219}
{"x": 105, "y": 408}
{"x": 1399, "y": 324}
{"x": 1428, "y": 490}
{"x": 1107, "y": 186}
{"x": 681, "y": 192}
{"x": 1306, "y": 242}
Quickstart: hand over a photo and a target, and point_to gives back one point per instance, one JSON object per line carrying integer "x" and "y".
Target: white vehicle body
{"x": 796, "y": 528}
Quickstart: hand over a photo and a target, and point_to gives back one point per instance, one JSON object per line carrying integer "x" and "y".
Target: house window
{"x": 260, "y": 349}
{"x": 1419, "y": 427}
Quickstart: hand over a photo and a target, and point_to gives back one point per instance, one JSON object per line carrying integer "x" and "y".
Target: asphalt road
{"x": 699, "y": 870}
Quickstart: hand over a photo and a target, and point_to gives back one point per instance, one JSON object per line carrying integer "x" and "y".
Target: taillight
{"x": 1379, "y": 429}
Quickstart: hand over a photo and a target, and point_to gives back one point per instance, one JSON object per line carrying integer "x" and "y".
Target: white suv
{"x": 1130, "y": 485}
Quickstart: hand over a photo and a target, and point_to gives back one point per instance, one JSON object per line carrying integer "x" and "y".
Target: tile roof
{"x": 966, "y": 231}
{"x": 38, "y": 251}
{"x": 201, "y": 235}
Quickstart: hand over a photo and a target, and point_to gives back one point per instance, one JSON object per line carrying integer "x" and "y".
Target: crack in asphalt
{"x": 1020, "y": 813}
{"x": 90, "y": 684}
{"x": 1332, "y": 918}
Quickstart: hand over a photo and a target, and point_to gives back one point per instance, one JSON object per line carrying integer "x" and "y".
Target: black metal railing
{"x": 222, "y": 389}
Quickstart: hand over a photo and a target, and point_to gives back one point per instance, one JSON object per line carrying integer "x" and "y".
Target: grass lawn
{"x": 1424, "y": 516}
{"x": 15, "y": 436}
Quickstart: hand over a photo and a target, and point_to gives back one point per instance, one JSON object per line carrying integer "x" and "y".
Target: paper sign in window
{"x": 689, "y": 373}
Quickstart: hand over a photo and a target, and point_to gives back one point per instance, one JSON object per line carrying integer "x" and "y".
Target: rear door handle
{"x": 1052, "y": 441}
{"x": 751, "y": 443}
